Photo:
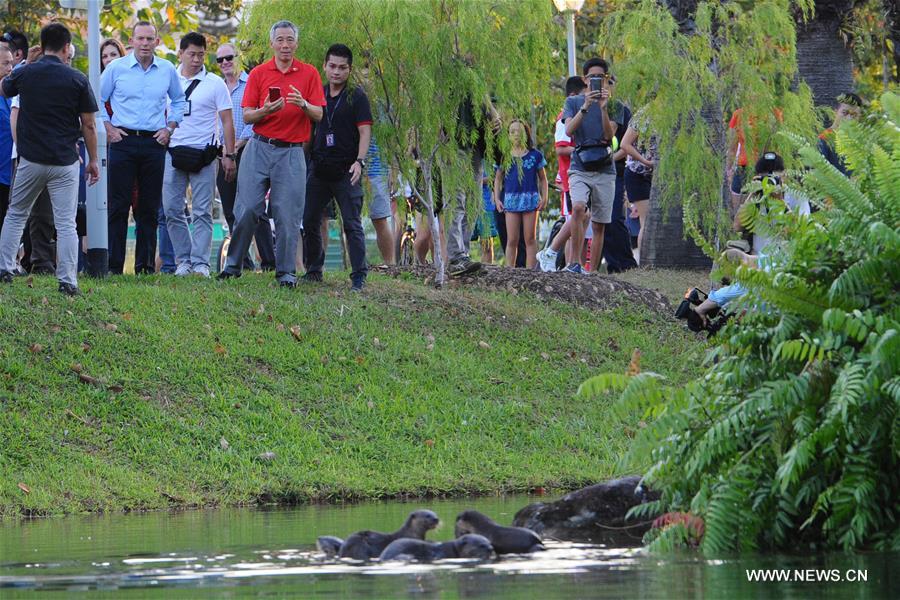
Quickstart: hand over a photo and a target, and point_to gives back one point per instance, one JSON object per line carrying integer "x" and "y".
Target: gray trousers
{"x": 62, "y": 184}
{"x": 191, "y": 248}
{"x": 281, "y": 172}
{"x": 459, "y": 234}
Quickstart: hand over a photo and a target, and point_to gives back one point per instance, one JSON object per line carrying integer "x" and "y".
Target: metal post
{"x": 570, "y": 41}
{"x": 97, "y": 223}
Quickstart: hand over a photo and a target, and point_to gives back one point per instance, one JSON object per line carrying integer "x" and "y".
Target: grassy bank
{"x": 155, "y": 392}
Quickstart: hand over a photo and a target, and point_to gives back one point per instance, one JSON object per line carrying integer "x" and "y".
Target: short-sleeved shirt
{"x": 520, "y": 186}
{"x": 561, "y": 140}
{"x": 647, "y": 144}
{"x": 337, "y": 134}
{"x": 621, "y": 114}
{"x": 290, "y": 124}
{"x": 745, "y": 157}
{"x": 590, "y": 131}
{"x": 54, "y": 97}
{"x": 200, "y": 125}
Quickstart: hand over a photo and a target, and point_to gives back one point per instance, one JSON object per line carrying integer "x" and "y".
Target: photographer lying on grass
{"x": 771, "y": 198}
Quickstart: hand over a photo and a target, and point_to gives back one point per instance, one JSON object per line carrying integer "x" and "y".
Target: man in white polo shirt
{"x": 190, "y": 160}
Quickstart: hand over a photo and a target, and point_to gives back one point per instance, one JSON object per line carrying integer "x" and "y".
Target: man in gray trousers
{"x": 282, "y": 98}
{"x": 58, "y": 107}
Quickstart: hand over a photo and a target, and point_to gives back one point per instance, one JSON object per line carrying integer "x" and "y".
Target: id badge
{"x": 329, "y": 140}
{"x": 187, "y": 108}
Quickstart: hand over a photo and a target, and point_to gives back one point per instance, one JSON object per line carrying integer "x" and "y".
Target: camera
{"x": 716, "y": 318}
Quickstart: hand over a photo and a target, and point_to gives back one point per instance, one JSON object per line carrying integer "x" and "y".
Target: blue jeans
{"x": 166, "y": 252}
{"x": 724, "y": 295}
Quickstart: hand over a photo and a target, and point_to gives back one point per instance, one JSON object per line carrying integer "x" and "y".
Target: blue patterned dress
{"x": 520, "y": 187}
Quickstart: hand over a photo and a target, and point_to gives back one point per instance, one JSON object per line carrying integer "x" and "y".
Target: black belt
{"x": 276, "y": 143}
{"x": 138, "y": 132}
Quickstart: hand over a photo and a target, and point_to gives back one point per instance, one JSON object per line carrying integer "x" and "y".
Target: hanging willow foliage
{"x": 792, "y": 436}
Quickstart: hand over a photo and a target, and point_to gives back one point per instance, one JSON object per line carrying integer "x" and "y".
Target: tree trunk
{"x": 664, "y": 243}
{"x": 823, "y": 60}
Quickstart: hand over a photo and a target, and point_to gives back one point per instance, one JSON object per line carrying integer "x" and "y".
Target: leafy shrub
{"x": 792, "y": 436}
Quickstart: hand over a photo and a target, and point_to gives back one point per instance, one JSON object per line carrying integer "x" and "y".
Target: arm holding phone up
{"x": 600, "y": 94}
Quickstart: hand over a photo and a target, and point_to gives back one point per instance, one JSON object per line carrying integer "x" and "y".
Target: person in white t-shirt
{"x": 209, "y": 103}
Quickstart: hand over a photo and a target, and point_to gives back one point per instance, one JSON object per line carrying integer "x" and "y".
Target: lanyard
{"x": 330, "y": 116}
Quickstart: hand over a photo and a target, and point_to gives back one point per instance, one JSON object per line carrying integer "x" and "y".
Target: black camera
{"x": 715, "y": 319}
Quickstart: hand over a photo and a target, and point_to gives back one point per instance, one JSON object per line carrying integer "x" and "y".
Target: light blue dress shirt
{"x": 138, "y": 97}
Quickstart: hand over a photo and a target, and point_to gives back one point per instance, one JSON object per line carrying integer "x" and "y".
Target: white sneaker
{"x": 201, "y": 270}
{"x": 546, "y": 260}
{"x": 183, "y": 270}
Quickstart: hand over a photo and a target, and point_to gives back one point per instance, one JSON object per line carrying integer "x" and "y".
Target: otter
{"x": 329, "y": 545}
{"x": 364, "y": 545}
{"x": 506, "y": 540}
{"x": 467, "y": 546}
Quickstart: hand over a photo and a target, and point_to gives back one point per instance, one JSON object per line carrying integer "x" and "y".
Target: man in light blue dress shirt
{"x": 137, "y": 87}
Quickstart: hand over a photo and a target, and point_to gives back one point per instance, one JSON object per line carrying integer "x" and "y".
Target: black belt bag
{"x": 593, "y": 155}
{"x": 193, "y": 160}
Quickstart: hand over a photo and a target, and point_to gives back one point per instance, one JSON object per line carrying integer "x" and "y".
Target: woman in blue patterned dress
{"x": 521, "y": 193}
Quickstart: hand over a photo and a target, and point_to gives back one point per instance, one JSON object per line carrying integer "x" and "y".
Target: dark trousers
{"x": 263, "y": 234}
{"x": 319, "y": 193}
{"x": 139, "y": 159}
{"x": 4, "y": 203}
{"x": 501, "y": 233}
{"x": 617, "y": 240}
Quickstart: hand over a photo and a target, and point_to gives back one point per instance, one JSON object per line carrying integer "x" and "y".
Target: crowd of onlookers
{"x": 284, "y": 152}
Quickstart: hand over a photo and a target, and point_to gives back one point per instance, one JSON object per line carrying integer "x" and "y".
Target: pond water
{"x": 249, "y": 553}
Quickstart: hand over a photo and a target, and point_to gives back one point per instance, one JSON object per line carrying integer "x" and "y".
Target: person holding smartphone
{"x": 282, "y": 99}
{"x": 592, "y": 172}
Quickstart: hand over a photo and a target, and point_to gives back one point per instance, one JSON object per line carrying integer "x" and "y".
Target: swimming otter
{"x": 467, "y": 546}
{"x": 506, "y": 540}
{"x": 364, "y": 545}
{"x": 329, "y": 545}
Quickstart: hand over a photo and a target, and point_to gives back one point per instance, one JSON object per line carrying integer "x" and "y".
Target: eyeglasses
{"x": 221, "y": 59}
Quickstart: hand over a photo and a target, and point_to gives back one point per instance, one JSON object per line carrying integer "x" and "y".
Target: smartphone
{"x": 596, "y": 84}
{"x": 274, "y": 93}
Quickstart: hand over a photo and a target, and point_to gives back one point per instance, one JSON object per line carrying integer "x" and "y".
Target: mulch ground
{"x": 599, "y": 292}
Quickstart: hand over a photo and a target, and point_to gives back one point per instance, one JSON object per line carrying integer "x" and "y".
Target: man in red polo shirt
{"x": 282, "y": 98}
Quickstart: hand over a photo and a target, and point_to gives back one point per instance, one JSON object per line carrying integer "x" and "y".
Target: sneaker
{"x": 574, "y": 268}
{"x": 68, "y": 289}
{"x": 547, "y": 260}
{"x": 201, "y": 270}
{"x": 358, "y": 284}
{"x": 312, "y": 277}
{"x": 464, "y": 266}
{"x": 183, "y": 270}
{"x": 6, "y": 277}
{"x": 223, "y": 275}
{"x": 288, "y": 283}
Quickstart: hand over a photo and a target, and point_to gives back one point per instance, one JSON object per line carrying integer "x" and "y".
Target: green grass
{"x": 360, "y": 406}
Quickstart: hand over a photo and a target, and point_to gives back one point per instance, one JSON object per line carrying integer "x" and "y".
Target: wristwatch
{"x": 232, "y": 156}
{"x": 171, "y": 130}
{"x": 362, "y": 162}
{"x": 305, "y": 104}
{"x": 583, "y": 111}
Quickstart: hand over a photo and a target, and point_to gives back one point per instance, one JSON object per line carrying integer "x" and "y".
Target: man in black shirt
{"x": 338, "y": 159}
{"x": 58, "y": 106}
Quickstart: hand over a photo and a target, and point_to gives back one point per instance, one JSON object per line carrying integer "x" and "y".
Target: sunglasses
{"x": 221, "y": 59}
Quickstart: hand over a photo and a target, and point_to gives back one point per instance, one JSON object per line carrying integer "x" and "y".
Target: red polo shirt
{"x": 290, "y": 124}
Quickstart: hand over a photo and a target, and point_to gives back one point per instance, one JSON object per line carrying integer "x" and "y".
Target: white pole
{"x": 98, "y": 240}
{"x": 570, "y": 41}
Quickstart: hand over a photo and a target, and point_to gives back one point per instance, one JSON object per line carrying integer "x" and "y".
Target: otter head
{"x": 471, "y": 521}
{"x": 420, "y": 522}
{"x": 474, "y": 546}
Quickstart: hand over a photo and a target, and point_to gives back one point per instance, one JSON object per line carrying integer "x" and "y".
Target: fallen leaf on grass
{"x": 266, "y": 456}
{"x": 88, "y": 379}
{"x": 223, "y": 443}
{"x": 85, "y": 347}
{"x": 376, "y": 342}
{"x": 634, "y": 367}
{"x": 237, "y": 404}
{"x": 370, "y": 404}
{"x": 76, "y": 367}
{"x": 360, "y": 360}
{"x": 429, "y": 443}
{"x": 295, "y": 331}
{"x": 30, "y": 281}
{"x": 220, "y": 349}
{"x": 71, "y": 414}
{"x": 127, "y": 316}
{"x": 116, "y": 389}
{"x": 484, "y": 345}
{"x": 429, "y": 347}
{"x": 54, "y": 329}
{"x": 44, "y": 301}
{"x": 35, "y": 348}
{"x": 545, "y": 356}
{"x": 279, "y": 328}
{"x": 24, "y": 488}
{"x": 254, "y": 312}
{"x": 111, "y": 327}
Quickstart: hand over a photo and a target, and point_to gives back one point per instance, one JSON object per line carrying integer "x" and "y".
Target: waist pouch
{"x": 193, "y": 160}
{"x": 593, "y": 155}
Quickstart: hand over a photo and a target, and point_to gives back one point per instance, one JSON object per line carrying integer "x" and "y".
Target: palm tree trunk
{"x": 823, "y": 59}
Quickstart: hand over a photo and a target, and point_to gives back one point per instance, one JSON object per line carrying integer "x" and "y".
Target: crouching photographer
{"x": 708, "y": 312}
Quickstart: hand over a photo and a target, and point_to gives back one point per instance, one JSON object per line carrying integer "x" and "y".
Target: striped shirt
{"x": 242, "y": 130}
{"x": 374, "y": 166}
